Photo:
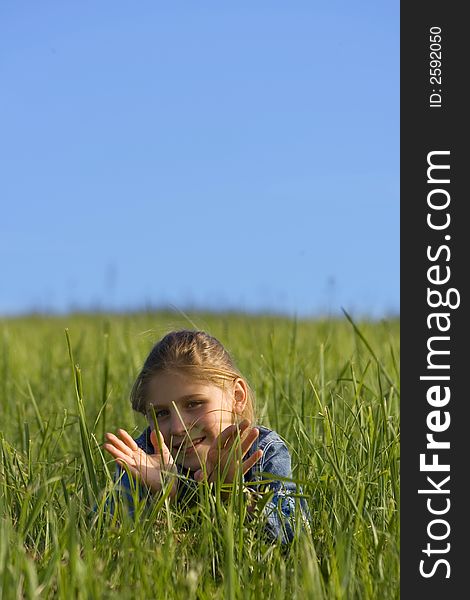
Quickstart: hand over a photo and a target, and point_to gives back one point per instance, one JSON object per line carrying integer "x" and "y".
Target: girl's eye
{"x": 194, "y": 404}
{"x": 161, "y": 413}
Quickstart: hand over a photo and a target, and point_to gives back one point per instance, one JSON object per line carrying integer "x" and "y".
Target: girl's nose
{"x": 177, "y": 427}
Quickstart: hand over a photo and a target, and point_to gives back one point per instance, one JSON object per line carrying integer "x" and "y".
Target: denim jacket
{"x": 275, "y": 461}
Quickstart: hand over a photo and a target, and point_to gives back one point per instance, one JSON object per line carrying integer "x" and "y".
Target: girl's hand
{"x": 227, "y": 451}
{"x": 150, "y": 468}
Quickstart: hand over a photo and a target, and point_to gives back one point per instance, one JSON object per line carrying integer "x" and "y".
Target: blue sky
{"x": 240, "y": 155}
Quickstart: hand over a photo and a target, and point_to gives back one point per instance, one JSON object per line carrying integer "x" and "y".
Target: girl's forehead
{"x": 172, "y": 387}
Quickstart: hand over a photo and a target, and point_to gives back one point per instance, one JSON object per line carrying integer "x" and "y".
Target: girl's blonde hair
{"x": 195, "y": 354}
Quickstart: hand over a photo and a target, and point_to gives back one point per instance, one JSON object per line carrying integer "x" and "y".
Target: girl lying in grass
{"x": 200, "y": 413}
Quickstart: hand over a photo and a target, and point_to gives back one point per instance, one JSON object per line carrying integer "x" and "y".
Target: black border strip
{"x": 433, "y": 120}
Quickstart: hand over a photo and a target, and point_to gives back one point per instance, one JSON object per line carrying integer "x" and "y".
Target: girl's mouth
{"x": 190, "y": 447}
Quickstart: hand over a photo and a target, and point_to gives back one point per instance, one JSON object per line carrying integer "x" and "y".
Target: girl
{"x": 200, "y": 413}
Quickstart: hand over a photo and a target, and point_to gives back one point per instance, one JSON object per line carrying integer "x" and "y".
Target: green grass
{"x": 329, "y": 387}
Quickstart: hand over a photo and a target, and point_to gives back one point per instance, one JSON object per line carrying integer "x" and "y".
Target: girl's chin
{"x": 193, "y": 460}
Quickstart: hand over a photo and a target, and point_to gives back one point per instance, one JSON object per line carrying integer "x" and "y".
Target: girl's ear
{"x": 240, "y": 396}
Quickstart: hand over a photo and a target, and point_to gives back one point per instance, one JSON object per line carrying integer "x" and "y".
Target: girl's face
{"x": 191, "y": 414}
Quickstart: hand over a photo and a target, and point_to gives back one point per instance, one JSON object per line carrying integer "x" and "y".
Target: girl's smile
{"x": 192, "y": 447}
{"x": 189, "y": 447}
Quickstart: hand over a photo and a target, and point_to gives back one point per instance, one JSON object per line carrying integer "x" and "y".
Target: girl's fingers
{"x": 118, "y": 454}
{"x": 126, "y": 438}
{"x": 242, "y": 443}
{"x": 230, "y": 446}
{"x": 242, "y": 427}
{"x": 252, "y": 460}
{"x": 138, "y": 463}
{"x": 117, "y": 443}
{"x": 198, "y": 475}
{"x": 158, "y": 445}
{"x": 224, "y": 436}
{"x": 230, "y": 434}
{"x": 249, "y": 440}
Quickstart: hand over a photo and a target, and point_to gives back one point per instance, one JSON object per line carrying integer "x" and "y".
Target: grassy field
{"x": 329, "y": 387}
